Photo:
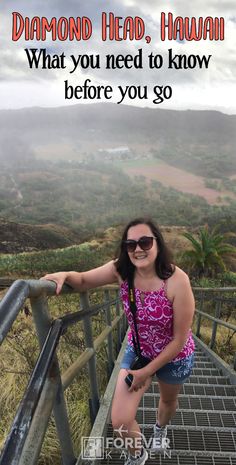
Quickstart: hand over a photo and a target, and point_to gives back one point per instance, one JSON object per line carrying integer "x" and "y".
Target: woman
{"x": 165, "y": 309}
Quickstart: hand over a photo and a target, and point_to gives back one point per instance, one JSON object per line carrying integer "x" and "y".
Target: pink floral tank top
{"x": 154, "y": 318}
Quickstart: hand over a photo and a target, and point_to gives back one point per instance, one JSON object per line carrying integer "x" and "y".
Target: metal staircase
{"x": 203, "y": 431}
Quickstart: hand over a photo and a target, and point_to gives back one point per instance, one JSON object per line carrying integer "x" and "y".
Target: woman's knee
{"x": 120, "y": 419}
{"x": 125, "y": 404}
{"x": 170, "y": 403}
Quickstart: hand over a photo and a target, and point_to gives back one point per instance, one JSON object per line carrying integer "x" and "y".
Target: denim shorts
{"x": 171, "y": 373}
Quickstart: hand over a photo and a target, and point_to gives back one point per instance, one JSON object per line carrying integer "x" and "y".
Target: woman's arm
{"x": 105, "y": 274}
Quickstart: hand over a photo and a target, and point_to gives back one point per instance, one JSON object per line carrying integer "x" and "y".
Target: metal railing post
{"x": 43, "y": 322}
{"x": 119, "y": 339}
{"x": 94, "y": 392}
{"x": 38, "y": 428}
{"x": 199, "y": 320}
{"x": 124, "y": 325}
{"x": 109, "y": 337}
{"x": 215, "y": 324}
{"x": 11, "y": 305}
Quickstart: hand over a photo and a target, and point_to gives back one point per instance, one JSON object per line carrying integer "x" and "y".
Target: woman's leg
{"x": 123, "y": 413}
{"x": 168, "y": 402}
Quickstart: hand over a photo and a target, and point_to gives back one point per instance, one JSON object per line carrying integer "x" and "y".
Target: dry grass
{"x": 225, "y": 342}
{"x": 17, "y": 359}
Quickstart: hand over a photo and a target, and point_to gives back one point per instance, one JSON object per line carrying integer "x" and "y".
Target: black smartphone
{"x": 129, "y": 379}
{"x": 138, "y": 362}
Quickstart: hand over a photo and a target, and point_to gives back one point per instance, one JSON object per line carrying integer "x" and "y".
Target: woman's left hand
{"x": 140, "y": 378}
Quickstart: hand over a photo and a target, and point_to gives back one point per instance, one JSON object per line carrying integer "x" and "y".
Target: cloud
{"x": 184, "y": 8}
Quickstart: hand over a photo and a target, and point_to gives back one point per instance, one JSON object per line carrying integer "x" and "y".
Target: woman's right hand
{"x": 58, "y": 278}
{"x": 83, "y": 281}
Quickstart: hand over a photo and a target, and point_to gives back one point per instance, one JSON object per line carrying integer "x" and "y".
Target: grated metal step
{"x": 199, "y": 351}
{"x": 200, "y": 389}
{"x": 209, "y": 390}
{"x": 176, "y": 458}
{"x": 197, "y": 371}
{"x": 192, "y": 402}
{"x": 198, "y": 418}
{"x": 201, "y": 358}
{"x": 219, "y": 380}
{"x": 201, "y": 364}
{"x": 203, "y": 430}
{"x": 208, "y": 380}
{"x": 203, "y": 440}
{"x": 200, "y": 440}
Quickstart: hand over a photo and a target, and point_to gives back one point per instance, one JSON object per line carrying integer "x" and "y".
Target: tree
{"x": 210, "y": 253}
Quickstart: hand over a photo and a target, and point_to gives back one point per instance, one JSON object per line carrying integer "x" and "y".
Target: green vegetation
{"x": 209, "y": 254}
{"x": 34, "y": 264}
{"x": 203, "y": 161}
{"x": 224, "y": 184}
{"x": 229, "y": 184}
{"x": 213, "y": 184}
{"x": 87, "y": 197}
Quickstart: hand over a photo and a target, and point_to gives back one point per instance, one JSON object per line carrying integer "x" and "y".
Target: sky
{"x": 198, "y": 89}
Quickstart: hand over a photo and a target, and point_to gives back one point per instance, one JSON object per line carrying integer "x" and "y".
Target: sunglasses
{"x": 145, "y": 243}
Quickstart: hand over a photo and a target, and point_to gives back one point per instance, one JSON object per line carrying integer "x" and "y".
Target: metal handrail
{"x": 206, "y": 294}
{"x": 214, "y": 289}
{"x": 46, "y": 386}
{"x": 16, "y": 439}
{"x": 217, "y": 320}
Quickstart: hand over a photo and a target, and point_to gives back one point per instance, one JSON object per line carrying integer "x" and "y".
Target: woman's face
{"x": 142, "y": 258}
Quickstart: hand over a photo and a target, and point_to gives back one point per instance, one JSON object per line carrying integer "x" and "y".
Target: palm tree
{"x": 210, "y": 252}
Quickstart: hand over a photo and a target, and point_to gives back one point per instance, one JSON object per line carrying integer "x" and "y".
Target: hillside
{"x": 40, "y": 255}
{"x": 202, "y": 142}
{"x": 89, "y": 196}
{"x": 102, "y": 247}
{"x": 88, "y": 167}
{"x": 16, "y": 237}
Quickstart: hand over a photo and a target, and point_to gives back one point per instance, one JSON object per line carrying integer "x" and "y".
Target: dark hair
{"x": 124, "y": 266}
